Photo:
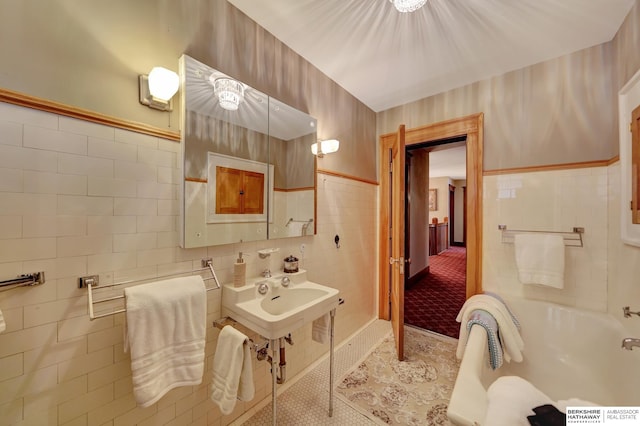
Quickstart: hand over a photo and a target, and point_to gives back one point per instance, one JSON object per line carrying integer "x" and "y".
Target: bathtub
{"x": 569, "y": 353}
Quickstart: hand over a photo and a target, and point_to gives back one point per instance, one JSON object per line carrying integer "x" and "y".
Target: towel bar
{"x": 571, "y": 238}
{"x": 222, "y": 322}
{"x": 35, "y": 278}
{"x": 91, "y": 281}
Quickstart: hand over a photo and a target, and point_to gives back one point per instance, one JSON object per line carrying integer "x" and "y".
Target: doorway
{"x": 435, "y": 283}
{"x": 472, "y": 127}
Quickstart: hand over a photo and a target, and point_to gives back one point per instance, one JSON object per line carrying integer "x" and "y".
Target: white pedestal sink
{"x": 281, "y": 309}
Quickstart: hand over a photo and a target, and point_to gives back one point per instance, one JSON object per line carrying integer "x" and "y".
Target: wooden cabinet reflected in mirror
{"x": 246, "y": 171}
{"x": 239, "y": 191}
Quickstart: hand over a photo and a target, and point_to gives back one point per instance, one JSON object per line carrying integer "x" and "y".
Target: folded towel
{"x": 3, "y": 325}
{"x": 320, "y": 329}
{"x": 232, "y": 370}
{"x": 488, "y": 322}
{"x": 510, "y": 339}
{"x": 540, "y": 259}
{"x": 510, "y": 400}
{"x": 166, "y": 323}
{"x": 513, "y": 317}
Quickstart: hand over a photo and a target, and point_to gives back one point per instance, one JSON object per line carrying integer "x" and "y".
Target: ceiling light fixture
{"x": 230, "y": 92}
{"x": 157, "y": 88}
{"x": 325, "y": 147}
{"x": 408, "y": 5}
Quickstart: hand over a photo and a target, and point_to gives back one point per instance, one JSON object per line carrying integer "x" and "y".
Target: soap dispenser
{"x": 239, "y": 272}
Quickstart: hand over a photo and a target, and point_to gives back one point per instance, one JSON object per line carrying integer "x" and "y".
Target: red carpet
{"x": 434, "y": 302}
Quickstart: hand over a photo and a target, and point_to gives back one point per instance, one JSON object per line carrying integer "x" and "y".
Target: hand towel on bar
{"x": 320, "y": 328}
{"x": 3, "y": 325}
{"x": 540, "y": 259}
{"x": 488, "y": 322}
{"x": 510, "y": 339}
{"x": 232, "y": 370}
{"x": 165, "y": 333}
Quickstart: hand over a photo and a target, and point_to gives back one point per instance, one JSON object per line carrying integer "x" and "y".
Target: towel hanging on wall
{"x": 540, "y": 259}
{"x": 321, "y": 329}
{"x": 165, "y": 333}
{"x": 232, "y": 370}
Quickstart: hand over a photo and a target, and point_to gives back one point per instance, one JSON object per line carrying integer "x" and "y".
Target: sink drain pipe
{"x": 282, "y": 364}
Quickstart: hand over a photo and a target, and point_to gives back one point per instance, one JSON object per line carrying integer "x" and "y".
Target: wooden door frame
{"x": 472, "y": 126}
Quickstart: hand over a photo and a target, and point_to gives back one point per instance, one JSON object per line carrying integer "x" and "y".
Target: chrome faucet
{"x": 629, "y": 343}
{"x": 266, "y": 273}
{"x": 263, "y": 287}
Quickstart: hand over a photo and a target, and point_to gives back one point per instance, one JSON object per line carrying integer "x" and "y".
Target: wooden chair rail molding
{"x": 16, "y": 98}
{"x": 551, "y": 167}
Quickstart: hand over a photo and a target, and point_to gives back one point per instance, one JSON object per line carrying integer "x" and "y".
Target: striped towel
{"x": 489, "y": 323}
{"x": 513, "y": 317}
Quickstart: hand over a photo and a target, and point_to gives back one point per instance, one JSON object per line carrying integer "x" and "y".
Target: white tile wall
{"x": 624, "y": 262}
{"x": 79, "y": 198}
{"x": 556, "y": 201}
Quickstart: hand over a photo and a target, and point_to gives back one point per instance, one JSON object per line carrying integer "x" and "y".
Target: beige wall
{"x": 78, "y": 198}
{"x": 442, "y": 185}
{"x": 89, "y": 55}
{"x": 558, "y": 111}
{"x": 458, "y": 236}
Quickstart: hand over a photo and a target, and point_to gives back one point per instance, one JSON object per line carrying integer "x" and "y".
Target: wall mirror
{"x": 248, "y": 170}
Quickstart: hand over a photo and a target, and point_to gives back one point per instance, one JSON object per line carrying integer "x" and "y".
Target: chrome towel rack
{"x": 571, "y": 238}
{"x": 34, "y": 278}
{"x": 309, "y": 221}
{"x": 259, "y": 349}
{"x": 91, "y": 281}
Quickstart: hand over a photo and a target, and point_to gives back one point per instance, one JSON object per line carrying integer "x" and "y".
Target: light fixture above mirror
{"x": 230, "y": 92}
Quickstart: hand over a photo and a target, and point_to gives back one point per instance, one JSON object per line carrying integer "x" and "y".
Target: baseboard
{"x": 458, "y": 244}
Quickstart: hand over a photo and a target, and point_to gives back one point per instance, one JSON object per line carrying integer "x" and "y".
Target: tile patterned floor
{"x": 306, "y": 402}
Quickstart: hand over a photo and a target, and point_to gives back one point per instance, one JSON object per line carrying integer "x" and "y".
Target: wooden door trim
{"x": 472, "y": 126}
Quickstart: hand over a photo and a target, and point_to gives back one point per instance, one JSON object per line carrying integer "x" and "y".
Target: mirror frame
{"x": 628, "y": 100}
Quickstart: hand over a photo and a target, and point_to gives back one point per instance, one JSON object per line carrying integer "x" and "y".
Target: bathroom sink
{"x": 281, "y": 309}
{"x": 289, "y": 300}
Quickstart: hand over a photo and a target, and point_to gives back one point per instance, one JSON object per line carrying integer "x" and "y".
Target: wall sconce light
{"x": 325, "y": 147}
{"x": 157, "y": 88}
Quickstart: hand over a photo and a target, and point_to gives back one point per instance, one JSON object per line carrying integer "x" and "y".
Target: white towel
{"x": 3, "y": 325}
{"x": 320, "y": 329}
{"x": 510, "y": 339}
{"x": 166, "y": 324}
{"x": 510, "y": 399}
{"x": 232, "y": 370}
{"x": 540, "y": 259}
